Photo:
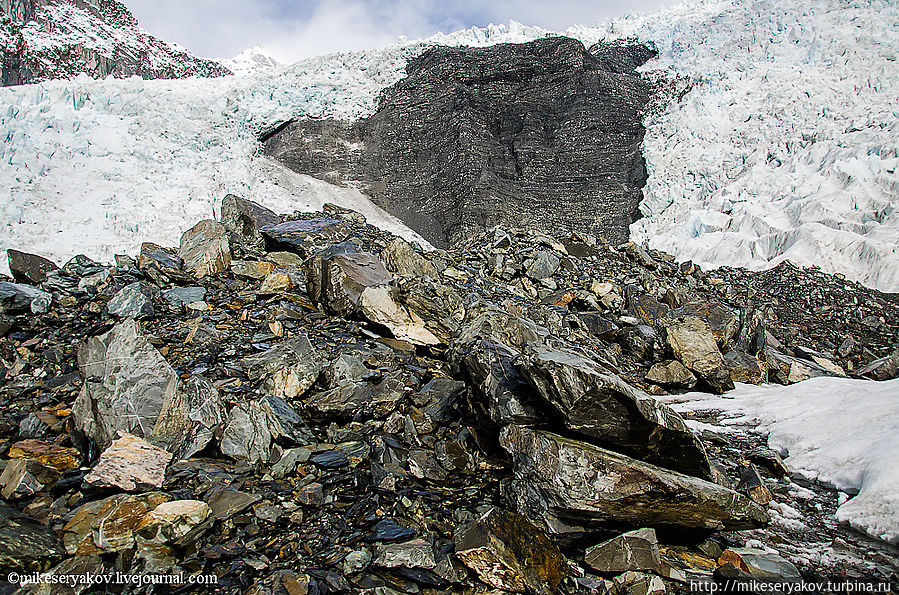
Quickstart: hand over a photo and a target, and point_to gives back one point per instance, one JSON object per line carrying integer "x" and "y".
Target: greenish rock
{"x": 246, "y": 218}
{"x": 25, "y": 544}
{"x": 401, "y": 258}
{"x": 288, "y": 369}
{"x": 671, "y": 373}
{"x": 635, "y": 550}
{"x": 132, "y": 301}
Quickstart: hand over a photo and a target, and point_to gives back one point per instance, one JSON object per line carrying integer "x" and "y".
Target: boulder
{"x": 574, "y": 486}
{"x": 17, "y": 297}
{"x": 883, "y": 368}
{"x": 645, "y": 307}
{"x": 226, "y": 501}
{"x": 247, "y": 435}
{"x": 30, "y": 269}
{"x": 130, "y": 464}
{"x": 693, "y": 343}
{"x": 25, "y": 544}
{"x": 62, "y": 458}
{"x": 204, "y": 249}
{"x": 438, "y": 306}
{"x": 288, "y": 369}
{"x": 162, "y": 265}
{"x": 251, "y": 269}
{"x": 179, "y": 297}
{"x": 126, "y": 385}
{"x": 361, "y": 400}
{"x": 753, "y": 485}
{"x": 638, "y": 583}
{"x": 132, "y": 301}
{"x": 175, "y": 522}
{"x": 416, "y": 553}
{"x": 379, "y": 304}
{"x": 246, "y": 218}
{"x": 190, "y": 420}
{"x": 721, "y": 320}
{"x": 636, "y": 550}
{"x": 337, "y": 282}
{"x": 305, "y": 236}
{"x": 671, "y": 373}
{"x": 508, "y": 552}
{"x": 401, "y": 258}
{"x": 745, "y": 368}
{"x": 592, "y": 401}
{"x": 544, "y": 265}
{"x": 26, "y": 477}
{"x": 760, "y": 564}
{"x": 108, "y": 525}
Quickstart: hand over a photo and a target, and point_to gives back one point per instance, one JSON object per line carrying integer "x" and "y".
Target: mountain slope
{"x": 49, "y": 39}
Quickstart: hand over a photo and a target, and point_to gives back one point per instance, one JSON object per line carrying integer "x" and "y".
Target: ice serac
{"x": 46, "y": 39}
{"x": 575, "y": 486}
{"x": 542, "y": 134}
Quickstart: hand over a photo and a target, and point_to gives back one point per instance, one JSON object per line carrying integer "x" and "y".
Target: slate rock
{"x": 573, "y": 484}
{"x": 416, "y": 553}
{"x": 247, "y": 435}
{"x": 644, "y": 306}
{"x": 176, "y": 521}
{"x": 545, "y": 265}
{"x": 26, "y": 477}
{"x": 132, "y": 301}
{"x": 337, "y": 282}
{"x": 721, "y": 320}
{"x": 246, "y": 218}
{"x": 671, "y": 373}
{"x": 362, "y": 400}
{"x": 389, "y": 530}
{"x": 693, "y": 343}
{"x": 745, "y": 368}
{"x": 760, "y": 564}
{"x": 638, "y": 583}
{"x": 251, "y": 269}
{"x": 30, "y": 269}
{"x": 25, "y": 544}
{"x": 17, "y": 297}
{"x": 204, "y": 249}
{"x": 401, "y": 258}
{"x": 592, "y": 401}
{"x": 178, "y": 297}
{"x": 108, "y": 525}
{"x": 635, "y": 550}
{"x": 508, "y": 552}
{"x": 753, "y": 485}
{"x": 190, "y": 420}
{"x": 305, "y": 236}
{"x": 59, "y": 457}
{"x": 130, "y": 464}
{"x": 225, "y": 502}
{"x": 380, "y": 305}
{"x": 126, "y": 384}
{"x": 161, "y": 264}
{"x": 884, "y": 368}
{"x": 288, "y": 369}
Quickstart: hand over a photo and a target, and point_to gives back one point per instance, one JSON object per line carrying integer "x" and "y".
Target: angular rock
{"x": 745, "y": 368}
{"x": 671, "y": 373}
{"x": 753, "y": 485}
{"x": 175, "y": 521}
{"x": 636, "y": 550}
{"x": 30, "y": 269}
{"x": 411, "y": 554}
{"x": 379, "y": 305}
{"x": 179, "y": 297}
{"x": 360, "y": 400}
{"x": 760, "y": 564}
{"x": 594, "y": 402}
{"x": 884, "y": 368}
{"x": 108, "y": 525}
{"x": 337, "y": 282}
{"x": 275, "y": 282}
{"x": 439, "y": 306}
{"x": 599, "y": 326}
{"x": 130, "y": 464}
{"x": 251, "y": 269}
{"x": 288, "y": 462}
{"x": 246, "y": 218}
{"x": 721, "y": 320}
{"x": 25, "y": 544}
{"x": 305, "y": 236}
{"x": 508, "y": 552}
{"x": 544, "y": 265}
{"x": 225, "y": 502}
{"x": 638, "y": 583}
{"x": 190, "y": 420}
{"x": 576, "y": 484}
{"x": 644, "y": 306}
{"x": 62, "y": 458}
{"x": 132, "y": 301}
{"x": 288, "y": 369}
{"x": 25, "y": 477}
{"x": 401, "y": 258}
{"x": 126, "y": 384}
{"x": 247, "y": 435}
{"x": 16, "y": 297}
{"x": 204, "y": 249}
{"x": 693, "y": 343}
{"x": 160, "y": 264}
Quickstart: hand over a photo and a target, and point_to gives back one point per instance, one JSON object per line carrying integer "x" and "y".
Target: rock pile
{"x": 307, "y": 404}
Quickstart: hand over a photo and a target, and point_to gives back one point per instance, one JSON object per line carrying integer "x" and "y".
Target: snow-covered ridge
{"x": 254, "y": 60}
{"x": 785, "y": 148}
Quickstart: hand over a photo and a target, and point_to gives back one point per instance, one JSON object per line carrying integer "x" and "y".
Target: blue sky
{"x": 293, "y": 30}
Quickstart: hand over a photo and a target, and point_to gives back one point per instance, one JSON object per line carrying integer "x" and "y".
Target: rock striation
{"x": 543, "y": 134}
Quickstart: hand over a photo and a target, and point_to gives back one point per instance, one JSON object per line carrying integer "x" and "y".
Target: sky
{"x": 294, "y": 30}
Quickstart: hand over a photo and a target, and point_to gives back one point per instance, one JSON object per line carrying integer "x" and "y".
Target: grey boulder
{"x": 246, "y": 218}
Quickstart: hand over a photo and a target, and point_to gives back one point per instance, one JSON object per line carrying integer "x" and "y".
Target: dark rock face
{"x": 95, "y": 37}
{"x": 543, "y": 134}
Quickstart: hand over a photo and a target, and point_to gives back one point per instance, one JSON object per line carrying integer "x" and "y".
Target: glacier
{"x": 784, "y": 148}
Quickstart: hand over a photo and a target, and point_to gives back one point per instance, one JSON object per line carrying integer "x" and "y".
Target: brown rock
{"x": 130, "y": 464}
{"x": 60, "y": 457}
{"x": 108, "y": 525}
{"x": 693, "y": 343}
{"x": 636, "y": 550}
{"x": 204, "y": 249}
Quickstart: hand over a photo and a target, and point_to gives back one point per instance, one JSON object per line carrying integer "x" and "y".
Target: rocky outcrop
{"x": 47, "y": 39}
{"x": 543, "y": 134}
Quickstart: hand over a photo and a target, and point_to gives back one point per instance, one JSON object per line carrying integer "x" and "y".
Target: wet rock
{"x": 108, "y": 525}
{"x": 401, "y": 258}
{"x": 288, "y": 369}
{"x": 177, "y": 521}
{"x": 411, "y": 554}
{"x": 130, "y": 464}
{"x": 721, "y": 320}
{"x": 389, "y": 530}
{"x": 126, "y": 384}
{"x": 179, "y": 297}
{"x": 62, "y": 458}
{"x": 204, "y": 249}
{"x": 16, "y": 297}
{"x": 26, "y": 477}
{"x": 30, "y": 269}
{"x": 225, "y": 502}
{"x": 337, "y": 282}
{"x": 745, "y": 368}
{"x": 693, "y": 343}
{"x": 760, "y": 564}
{"x": 132, "y": 301}
{"x": 753, "y": 485}
{"x": 508, "y": 552}
{"x": 246, "y": 218}
{"x": 577, "y": 484}
{"x": 25, "y": 544}
{"x": 671, "y": 373}
{"x": 636, "y": 550}
{"x": 592, "y": 401}
{"x": 379, "y": 305}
